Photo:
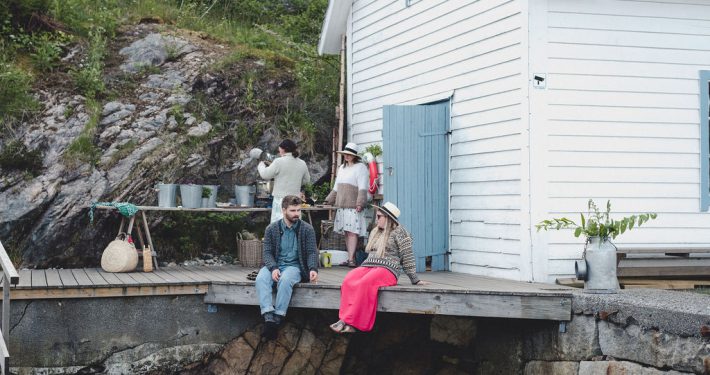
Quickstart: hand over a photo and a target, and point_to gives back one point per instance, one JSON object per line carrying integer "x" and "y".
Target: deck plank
{"x": 53, "y": 280}
{"x": 154, "y": 278}
{"x": 82, "y": 279}
{"x": 67, "y": 278}
{"x": 195, "y": 276}
{"x": 110, "y": 278}
{"x": 127, "y": 279}
{"x": 180, "y": 276}
{"x": 25, "y": 279}
{"x": 39, "y": 280}
{"x": 226, "y": 274}
{"x": 140, "y": 278}
{"x": 209, "y": 275}
{"x": 96, "y": 278}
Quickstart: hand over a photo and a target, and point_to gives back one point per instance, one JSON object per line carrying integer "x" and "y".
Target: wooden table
{"x": 144, "y": 221}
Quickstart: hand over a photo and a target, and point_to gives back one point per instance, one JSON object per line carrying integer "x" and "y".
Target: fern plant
{"x": 597, "y": 223}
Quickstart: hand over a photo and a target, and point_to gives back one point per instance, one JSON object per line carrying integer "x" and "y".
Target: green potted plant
{"x": 598, "y": 268}
{"x": 209, "y": 196}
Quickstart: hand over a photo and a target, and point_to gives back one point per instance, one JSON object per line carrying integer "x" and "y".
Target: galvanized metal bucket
{"x": 598, "y": 268}
{"x": 166, "y": 195}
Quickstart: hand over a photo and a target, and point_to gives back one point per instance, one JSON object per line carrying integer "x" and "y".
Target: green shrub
{"x": 16, "y": 156}
{"x": 46, "y": 53}
{"x": 15, "y": 97}
{"x": 83, "y": 148}
{"x": 89, "y": 79}
{"x": 185, "y": 235}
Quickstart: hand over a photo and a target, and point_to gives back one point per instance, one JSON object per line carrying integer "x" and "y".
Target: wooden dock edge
{"x": 108, "y": 291}
{"x": 519, "y": 306}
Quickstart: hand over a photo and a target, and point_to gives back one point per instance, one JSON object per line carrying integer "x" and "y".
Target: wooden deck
{"x": 449, "y": 293}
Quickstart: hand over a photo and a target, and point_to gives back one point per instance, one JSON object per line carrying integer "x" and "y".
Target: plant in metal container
{"x": 597, "y": 223}
{"x": 598, "y": 268}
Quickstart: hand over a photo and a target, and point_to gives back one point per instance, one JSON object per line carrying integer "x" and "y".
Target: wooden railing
{"x": 10, "y": 276}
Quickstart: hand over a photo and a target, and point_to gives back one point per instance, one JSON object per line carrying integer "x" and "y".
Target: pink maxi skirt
{"x": 358, "y": 295}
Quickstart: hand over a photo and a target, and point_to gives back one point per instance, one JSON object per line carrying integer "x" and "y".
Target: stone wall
{"x": 643, "y": 332}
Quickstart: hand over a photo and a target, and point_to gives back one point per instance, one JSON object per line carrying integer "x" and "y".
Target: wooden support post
{"x": 341, "y": 105}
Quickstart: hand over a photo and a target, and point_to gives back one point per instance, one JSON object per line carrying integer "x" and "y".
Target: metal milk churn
{"x": 598, "y": 266}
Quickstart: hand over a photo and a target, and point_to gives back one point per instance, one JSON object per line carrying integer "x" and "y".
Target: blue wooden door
{"x": 416, "y": 177}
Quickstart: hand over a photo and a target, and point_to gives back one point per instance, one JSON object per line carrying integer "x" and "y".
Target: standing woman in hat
{"x": 289, "y": 174}
{"x": 350, "y": 196}
{"x": 389, "y": 254}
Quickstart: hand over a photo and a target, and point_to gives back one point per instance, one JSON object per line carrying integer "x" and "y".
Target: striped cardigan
{"x": 307, "y": 252}
{"x": 398, "y": 255}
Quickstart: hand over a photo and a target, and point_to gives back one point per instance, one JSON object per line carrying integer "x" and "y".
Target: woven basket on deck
{"x": 329, "y": 240}
{"x": 119, "y": 255}
{"x": 249, "y": 252}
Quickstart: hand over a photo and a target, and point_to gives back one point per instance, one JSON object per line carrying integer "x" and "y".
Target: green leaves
{"x": 596, "y": 223}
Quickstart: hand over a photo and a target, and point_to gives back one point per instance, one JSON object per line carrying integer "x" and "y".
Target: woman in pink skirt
{"x": 389, "y": 250}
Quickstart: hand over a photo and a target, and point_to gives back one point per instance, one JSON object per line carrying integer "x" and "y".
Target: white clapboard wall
{"x": 473, "y": 50}
{"x": 619, "y": 120}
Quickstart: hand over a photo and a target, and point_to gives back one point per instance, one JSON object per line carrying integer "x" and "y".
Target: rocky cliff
{"x": 180, "y": 107}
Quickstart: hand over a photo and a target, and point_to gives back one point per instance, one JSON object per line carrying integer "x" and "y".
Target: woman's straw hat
{"x": 391, "y": 210}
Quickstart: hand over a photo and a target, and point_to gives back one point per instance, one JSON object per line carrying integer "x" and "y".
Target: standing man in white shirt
{"x": 289, "y": 174}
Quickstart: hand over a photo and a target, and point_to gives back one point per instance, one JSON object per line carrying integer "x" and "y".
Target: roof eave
{"x": 334, "y": 25}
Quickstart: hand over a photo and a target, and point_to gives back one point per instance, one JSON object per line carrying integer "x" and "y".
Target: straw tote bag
{"x": 250, "y": 252}
{"x": 119, "y": 255}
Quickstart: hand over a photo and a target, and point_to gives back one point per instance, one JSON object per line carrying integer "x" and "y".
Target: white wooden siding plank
{"x": 491, "y": 116}
{"x": 486, "y": 259}
{"x": 511, "y": 272}
{"x": 505, "y": 81}
{"x": 480, "y": 84}
{"x": 627, "y": 204}
{"x": 623, "y": 114}
{"x": 374, "y": 136}
{"x": 488, "y": 216}
{"x": 649, "y": 234}
{"x": 504, "y": 172}
{"x": 488, "y": 131}
{"x": 504, "y": 143}
{"x": 627, "y": 53}
{"x": 485, "y": 245}
{"x": 371, "y": 12}
{"x": 623, "y": 159}
{"x": 485, "y": 188}
{"x": 605, "y": 75}
{"x": 665, "y": 41}
{"x": 632, "y": 9}
{"x": 624, "y": 99}
{"x": 623, "y": 144}
{"x": 621, "y": 189}
{"x": 629, "y": 175}
{"x": 360, "y": 5}
{"x": 626, "y": 23}
{"x": 624, "y": 129}
{"x": 484, "y": 160}
{"x": 486, "y": 230}
{"x": 509, "y": 202}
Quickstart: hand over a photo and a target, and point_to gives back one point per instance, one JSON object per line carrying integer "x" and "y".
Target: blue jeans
{"x": 290, "y": 275}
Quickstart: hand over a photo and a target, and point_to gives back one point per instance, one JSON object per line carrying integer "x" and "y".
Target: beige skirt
{"x": 349, "y": 220}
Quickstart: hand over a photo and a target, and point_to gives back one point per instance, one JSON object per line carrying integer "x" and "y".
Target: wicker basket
{"x": 329, "y": 240}
{"x": 119, "y": 255}
{"x": 249, "y": 252}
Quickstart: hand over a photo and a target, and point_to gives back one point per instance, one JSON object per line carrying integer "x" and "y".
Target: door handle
{"x": 390, "y": 171}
